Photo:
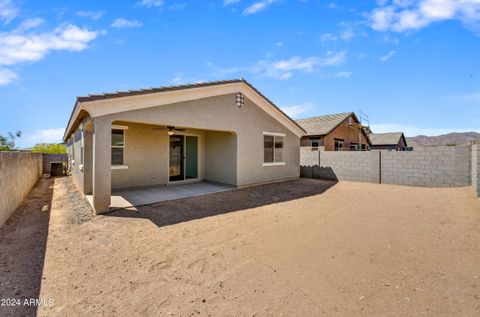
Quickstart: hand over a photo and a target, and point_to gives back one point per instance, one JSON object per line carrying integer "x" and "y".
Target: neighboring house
{"x": 334, "y": 132}
{"x": 225, "y": 132}
{"x": 388, "y": 141}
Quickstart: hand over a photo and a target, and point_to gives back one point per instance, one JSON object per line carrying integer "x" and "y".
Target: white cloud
{"x": 44, "y": 136}
{"x": 178, "y": 78}
{"x": 473, "y": 97}
{"x": 405, "y": 15}
{"x": 328, "y": 37}
{"x": 150, "y": 3}
{"x": 347, "y": 34}
{"x": 177, "y": 6}
{"x": 333, "y": 6}
{"x": 8, "y": 11}
{"x": 386, "y": 57}
{"x": 296, "y": 110}
{"x": 28, "y": 24}
{"x": 334, "y": 59}
{"x": 411, "y": 131}
{"x": 94, "y": 15}
{"x": 17, "y": 47}
{"x": 122, "y": 23}
{"x": 342, "y": 75}
{"x": 7, "y": 76}
{"x": 284, "y": 68}
{"x": 258, "y": 6}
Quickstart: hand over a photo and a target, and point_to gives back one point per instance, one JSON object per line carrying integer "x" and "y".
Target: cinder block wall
{"x": 439, "y": 166}
{"x": 51, "y": 158}
{"x": 443, "y": 166}
{"x": 19, "y": 172}
{"x": 476, "y": 168}
{"x": 362, "y": 166}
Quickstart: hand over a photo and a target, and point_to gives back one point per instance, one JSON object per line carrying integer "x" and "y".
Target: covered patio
{"x": 139, "y": 196}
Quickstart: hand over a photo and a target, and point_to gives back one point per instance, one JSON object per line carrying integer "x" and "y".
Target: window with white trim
{"x": 272, "y": 148}
{"x": 118, "y": 147}
{"x": 82, "y": 146}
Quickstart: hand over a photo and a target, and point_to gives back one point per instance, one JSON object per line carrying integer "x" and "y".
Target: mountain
{"x": 444, "y": 139}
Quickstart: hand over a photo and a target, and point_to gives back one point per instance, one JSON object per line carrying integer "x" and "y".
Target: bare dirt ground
{"x": 299, "y": 248}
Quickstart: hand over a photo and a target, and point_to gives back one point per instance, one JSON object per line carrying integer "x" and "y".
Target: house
{"x": 334, "y": 132}
{"x": 388, "y": 141}
{"x": 225, "y": 132}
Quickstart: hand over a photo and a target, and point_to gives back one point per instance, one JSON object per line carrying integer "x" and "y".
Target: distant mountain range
{"x": 444, "y": 139}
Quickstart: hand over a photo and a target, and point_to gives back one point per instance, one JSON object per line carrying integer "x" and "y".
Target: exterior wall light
{"x": 240, "y": 100}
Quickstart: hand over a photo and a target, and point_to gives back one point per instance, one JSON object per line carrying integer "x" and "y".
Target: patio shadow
{"x": 23, "y": 240}
{"x": 186, "y": 209}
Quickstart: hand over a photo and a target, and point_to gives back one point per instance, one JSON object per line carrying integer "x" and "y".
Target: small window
{"x": 338, "y": 145}
{"x": 118, "y": 147}
{"x": 353, "y": 146}
{"x": 268, "y": 149}
{"x": 272, "y": 149}
{"x": 278, "y": 157}
{"x": 73, "y": 150}
{"x": 314, "y": 142}
{"x": 82, "y": 146}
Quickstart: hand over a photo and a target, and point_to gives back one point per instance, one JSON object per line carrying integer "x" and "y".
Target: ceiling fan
{"x": 171, "y": 129}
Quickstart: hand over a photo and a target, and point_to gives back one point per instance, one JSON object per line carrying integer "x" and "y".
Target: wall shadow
{"x": 23, "y": 241}
{"x": 186, "y": 209}
{"x": 316, "y": 171}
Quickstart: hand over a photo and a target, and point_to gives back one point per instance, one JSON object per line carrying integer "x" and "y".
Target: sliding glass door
{"x": 183, "y": 157}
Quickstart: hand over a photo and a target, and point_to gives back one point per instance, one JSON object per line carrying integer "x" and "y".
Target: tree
{"x": 7, "y": 143}
{"x": 50, "y": 148}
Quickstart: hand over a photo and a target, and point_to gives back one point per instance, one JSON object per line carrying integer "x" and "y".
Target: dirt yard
{"x": 299, "y": 248}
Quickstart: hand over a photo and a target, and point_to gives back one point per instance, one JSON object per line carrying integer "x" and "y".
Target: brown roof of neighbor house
{"x": 389, "y": 138}
{"x": 118, "y": 94}
{"x": 322, "y": 125}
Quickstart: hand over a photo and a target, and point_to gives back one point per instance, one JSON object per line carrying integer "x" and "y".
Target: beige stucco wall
{"x": 146, "y": 155}
{"x": 19, "y": 172}
{"x": 74, "y": 152}
{"x": 221, "y": 157}
{"x": 221, "y": 114}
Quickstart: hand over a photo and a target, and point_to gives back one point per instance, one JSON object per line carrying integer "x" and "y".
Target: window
{"x": 314, "y": 142}
{"x": 82, "y": 146}
{"x": 268, "y": 149}
{"x": 353, "y": 146}
{"x": 338, "y": 144}
{"x": 273, "y": 149}
{"x": 72, "y": 141}
{"x": 118, "y": 147}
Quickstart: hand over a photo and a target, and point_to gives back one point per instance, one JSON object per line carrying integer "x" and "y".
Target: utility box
{"x": 56, "y": 169}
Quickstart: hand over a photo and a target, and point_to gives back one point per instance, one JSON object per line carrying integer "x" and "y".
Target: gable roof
{"x": 322, "y": 125}
{"x": 117, "y": 94}
{"x": 389, "y": 138}
{"x": 88, "y": 101}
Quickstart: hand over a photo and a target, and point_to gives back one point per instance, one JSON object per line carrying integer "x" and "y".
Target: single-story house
{"x": 225, "y": 132}
{"x": 334, "y": 132}
{"x": 388, "y": 141}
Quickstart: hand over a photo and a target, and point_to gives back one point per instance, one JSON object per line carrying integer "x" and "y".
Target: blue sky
{"x": 410, "y": 65}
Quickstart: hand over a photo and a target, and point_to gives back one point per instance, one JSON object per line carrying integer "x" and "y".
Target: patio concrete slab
{"x": 152, "y": 194}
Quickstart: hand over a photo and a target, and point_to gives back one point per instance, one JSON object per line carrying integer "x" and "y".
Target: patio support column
{"x": 102, "y": 183}
{"x": 88, "y": 160}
